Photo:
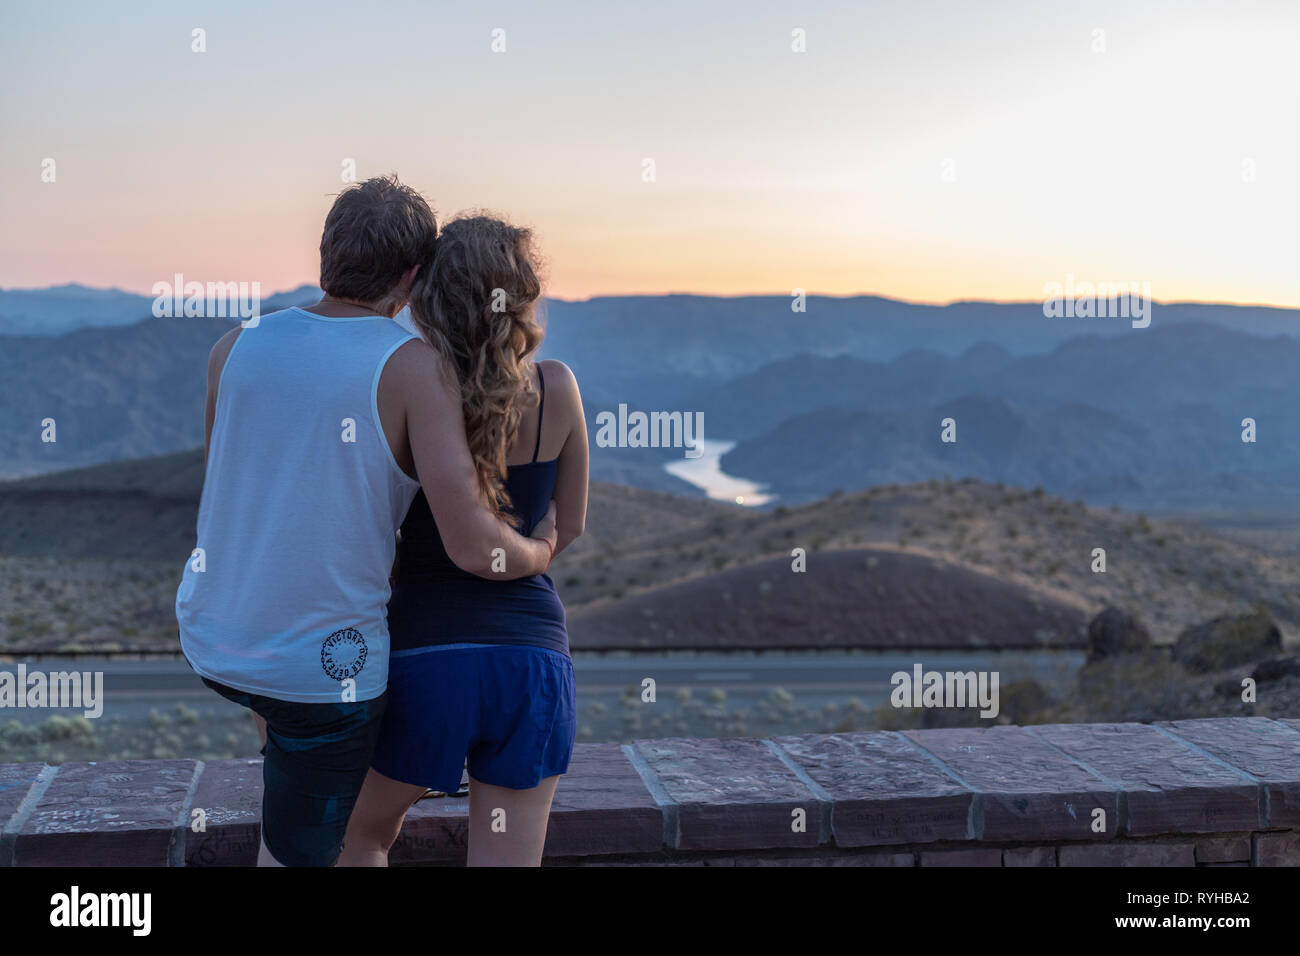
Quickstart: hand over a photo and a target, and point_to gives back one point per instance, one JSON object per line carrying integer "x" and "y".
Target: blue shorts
{"x": 507, "y": 711}
{"x": 317, "y": 756}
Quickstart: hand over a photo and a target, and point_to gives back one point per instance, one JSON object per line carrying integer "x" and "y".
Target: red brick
{"x": 1029, "y": 856}
{"x": 982, "y": 856}
{"x": 1127, "y": 854}
{"x": 1277, "y": 849}
{"x": 118, "y": 813}
{"x": 1268, "y": 750}
{"x": 436, "y": 831}
{"x": 1223, "y": 849}
{"x": 1026, "y": 789}
{"x": 732, "y": 794}
{"x": 230, "y": 795}
{"x": 886, "y": 790}
{"x": 602, "y": 806}
{"x": 1170, "y": 786}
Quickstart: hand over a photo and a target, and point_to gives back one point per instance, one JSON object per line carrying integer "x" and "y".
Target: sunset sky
{"x": 1173, "y": 157}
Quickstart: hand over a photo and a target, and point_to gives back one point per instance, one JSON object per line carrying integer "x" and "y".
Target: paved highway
{"x": 134, "y": 687}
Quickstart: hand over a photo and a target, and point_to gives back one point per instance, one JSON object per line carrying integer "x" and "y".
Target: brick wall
{"x": 1215, "y": 792}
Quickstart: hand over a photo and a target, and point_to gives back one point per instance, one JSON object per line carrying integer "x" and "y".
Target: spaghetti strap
{"x": 541, "y": 406}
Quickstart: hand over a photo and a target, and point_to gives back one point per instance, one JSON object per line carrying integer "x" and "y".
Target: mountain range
{"x": 66, "y": 308}
{"x": 848, "y": 394}
{"x": 1131, "y": 421}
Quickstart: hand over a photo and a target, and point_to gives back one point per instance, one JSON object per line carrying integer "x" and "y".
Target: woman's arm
{"x": 474, "y": 536}
{"x": 571, "y": 473}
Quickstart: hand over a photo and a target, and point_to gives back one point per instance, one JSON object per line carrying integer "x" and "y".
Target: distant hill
{"x": 1151, "y": 422}
{"x": 92, "y": 558}
{"x": 143, "y": 509}
{"x": 147, "y": 509}
{"x": 114, "y": 391}
{"x": 136, "y": 390}
{"x": 1185, "y": 365}
{"x": 772, "y": 378}
{"x": 749, "y": 405}
{"x": 711, "y": 338}
{"x": 862, "y": 598}
{"x": 67, "y": 308}
{"x": 1066, "y": 448}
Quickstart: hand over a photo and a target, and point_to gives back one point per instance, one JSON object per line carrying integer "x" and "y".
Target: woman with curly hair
{"x": 479, "y": 673}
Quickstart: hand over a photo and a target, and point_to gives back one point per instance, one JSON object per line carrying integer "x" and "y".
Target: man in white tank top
{"x": 321, "y": 425}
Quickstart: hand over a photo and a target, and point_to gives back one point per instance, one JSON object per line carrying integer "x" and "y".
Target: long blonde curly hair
{"x": 475, "y": 306}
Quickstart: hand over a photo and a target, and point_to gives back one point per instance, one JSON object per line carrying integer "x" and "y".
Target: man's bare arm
{"x": 216, "y": 363}
{"x": 474, "y": 537}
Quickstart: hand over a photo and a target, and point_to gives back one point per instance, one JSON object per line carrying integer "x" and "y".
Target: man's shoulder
{"x": 414, "y": 369}
{"x": 413, "y": 357}
{"x": 221, "y": 351}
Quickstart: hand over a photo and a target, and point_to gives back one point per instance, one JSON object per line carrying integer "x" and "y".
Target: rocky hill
{"x": 91, "y": 558}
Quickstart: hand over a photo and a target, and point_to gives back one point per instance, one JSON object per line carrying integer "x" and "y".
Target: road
{"x": 134, "y": 687}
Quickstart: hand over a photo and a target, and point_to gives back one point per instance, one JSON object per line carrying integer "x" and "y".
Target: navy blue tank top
{"x": 435, "y": 602}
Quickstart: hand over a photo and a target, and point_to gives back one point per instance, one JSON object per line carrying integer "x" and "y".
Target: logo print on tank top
{"x": 343, "y": 654}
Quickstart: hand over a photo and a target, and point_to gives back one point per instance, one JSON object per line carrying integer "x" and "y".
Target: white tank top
{"x": 286, "y": 592}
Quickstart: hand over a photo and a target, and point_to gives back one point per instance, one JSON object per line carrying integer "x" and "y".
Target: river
{"x": 706, "y": 474}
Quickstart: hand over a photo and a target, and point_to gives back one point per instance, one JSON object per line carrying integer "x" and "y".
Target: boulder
{"x": 1230, "y": 687}
{"x": 1114, "y": 632}
{"x": 1022, "y": 701}
{"x": 1227, "y": 641}
{"x": 1275, "y": 668}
